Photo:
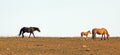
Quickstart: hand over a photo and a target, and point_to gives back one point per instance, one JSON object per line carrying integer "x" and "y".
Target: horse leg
{"x": 33, "y": 35}
{"x": 93, "y": 36}
{"x": 29, "y": 35}
{"x": 102, "y": 37}
{"x": 22, "y": 35}
{"x": 108, "y": 37}
{"x": 86, "y": 37}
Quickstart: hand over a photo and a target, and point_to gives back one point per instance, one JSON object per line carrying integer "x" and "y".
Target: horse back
{"x": 99, "y": 31}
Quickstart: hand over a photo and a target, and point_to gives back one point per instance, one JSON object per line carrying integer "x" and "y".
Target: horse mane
{"x": 35, "y": 28}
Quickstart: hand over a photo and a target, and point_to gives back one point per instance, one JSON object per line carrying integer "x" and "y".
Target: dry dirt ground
{"x": 58, "y": 46}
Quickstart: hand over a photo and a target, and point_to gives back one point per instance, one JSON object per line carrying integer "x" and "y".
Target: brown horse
{"x": 100, "y": 31}
{"x": 85, "y": 34}
{"x": 28, "y": 30}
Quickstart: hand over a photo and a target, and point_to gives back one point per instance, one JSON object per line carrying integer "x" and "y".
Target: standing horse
{"x": 28, "y": 30}
{"x": 85, "y": 34}
{"x": 100, "y": 31}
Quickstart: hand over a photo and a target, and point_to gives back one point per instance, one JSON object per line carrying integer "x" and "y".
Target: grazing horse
{"x": 28, "y": 30}
{"x": 100, "y": 31}
{"x": 85, "y": 34}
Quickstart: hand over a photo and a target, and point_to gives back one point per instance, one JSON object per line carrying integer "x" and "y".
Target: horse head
{"x": 38, "y": 29}
{"x": 89, "y": 32}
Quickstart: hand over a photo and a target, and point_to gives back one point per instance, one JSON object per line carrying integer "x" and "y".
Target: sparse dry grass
{"x": 58, "y": 46}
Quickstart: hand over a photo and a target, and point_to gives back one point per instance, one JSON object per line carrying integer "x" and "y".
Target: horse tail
{"x": 20, "y": 31}
{"x": 93, "y": 34}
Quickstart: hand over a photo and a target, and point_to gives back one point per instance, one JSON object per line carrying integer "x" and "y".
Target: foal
{"x": 85, "y": 34}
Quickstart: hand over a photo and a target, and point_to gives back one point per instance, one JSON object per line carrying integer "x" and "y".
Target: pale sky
{"x": 59, "y": 17}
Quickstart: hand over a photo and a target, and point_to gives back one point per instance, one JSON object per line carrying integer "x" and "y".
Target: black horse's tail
{"x": 93, "y": 34}
{"x": 20, "y": 31}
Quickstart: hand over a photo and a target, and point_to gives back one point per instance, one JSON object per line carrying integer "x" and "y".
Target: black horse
{"x": 28, "y": 30}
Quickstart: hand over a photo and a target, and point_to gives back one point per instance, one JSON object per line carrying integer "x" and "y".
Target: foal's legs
{"x": 86, "y": 37}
